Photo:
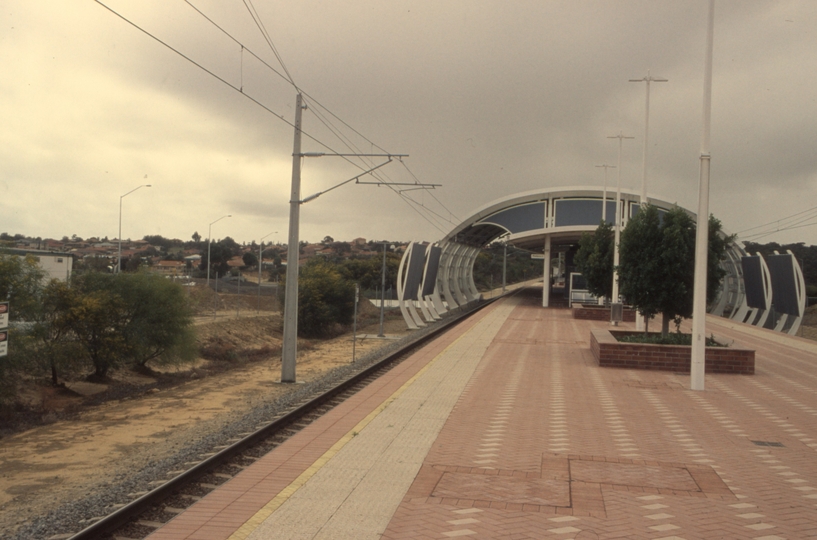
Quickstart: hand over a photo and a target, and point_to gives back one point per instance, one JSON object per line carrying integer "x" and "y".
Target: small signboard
{"x": 4, "y": 314}
{"x": 4, "y": 343}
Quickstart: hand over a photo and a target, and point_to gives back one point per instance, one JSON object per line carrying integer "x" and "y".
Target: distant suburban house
{"x": 57, "y": 265}
{"x": 236, "y": 262}
{"x": 168, "y": 268}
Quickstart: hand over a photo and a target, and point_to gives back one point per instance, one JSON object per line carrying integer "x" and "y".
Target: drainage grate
{"x": 768, "y": 443}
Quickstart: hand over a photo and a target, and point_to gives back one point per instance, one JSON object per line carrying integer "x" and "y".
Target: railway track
{"x": 152, "y": 509}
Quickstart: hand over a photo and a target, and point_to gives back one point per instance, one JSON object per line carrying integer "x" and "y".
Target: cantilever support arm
{"x": 318, "y": 194}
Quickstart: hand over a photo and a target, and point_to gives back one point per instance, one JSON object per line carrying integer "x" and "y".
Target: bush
{"x": 326, "y": 300}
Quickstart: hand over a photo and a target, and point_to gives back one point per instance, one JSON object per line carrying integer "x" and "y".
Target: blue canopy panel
{"x": 784, "y": 285}
{"x": 753, "y": 282}
{"x": 577, "y": 212}
{"x": 517, "y": 219}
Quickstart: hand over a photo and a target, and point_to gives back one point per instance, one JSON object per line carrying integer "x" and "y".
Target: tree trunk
{"x": 665, "y": 319}
{"x": 54, "y": 378}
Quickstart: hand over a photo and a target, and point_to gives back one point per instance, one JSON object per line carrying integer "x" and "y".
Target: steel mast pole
{"x": 698, "y": 367}
{"x": 289, "y": 348}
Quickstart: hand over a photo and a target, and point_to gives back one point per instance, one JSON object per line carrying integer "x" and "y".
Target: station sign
{"x": 4, "y": 333}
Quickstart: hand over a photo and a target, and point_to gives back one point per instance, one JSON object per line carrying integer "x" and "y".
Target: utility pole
{"x": 289, "y": 347}
{"x": 620, "y": 138}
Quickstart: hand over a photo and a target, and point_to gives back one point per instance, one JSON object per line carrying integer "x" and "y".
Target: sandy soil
{"x": 42, "y": 468}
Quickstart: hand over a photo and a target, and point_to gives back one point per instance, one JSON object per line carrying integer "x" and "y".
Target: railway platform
{"x": 505, "y": 427}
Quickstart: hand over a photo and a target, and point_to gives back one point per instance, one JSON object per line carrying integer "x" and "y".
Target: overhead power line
{"x": 418, "y": 207}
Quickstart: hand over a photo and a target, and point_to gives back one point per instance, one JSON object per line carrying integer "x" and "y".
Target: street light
{"x": 648, "y": 79}
{"x": 698, "y": 365}
{"x": 604, "y": 196}
{"x": 260, "y": 259}
{"x": 119, "y": 256}
{"x": 209, "y": 231}
{"x": 620, "y": 138}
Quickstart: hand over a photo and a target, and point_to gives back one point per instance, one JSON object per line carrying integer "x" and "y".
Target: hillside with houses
{"x": 174, "y": 257}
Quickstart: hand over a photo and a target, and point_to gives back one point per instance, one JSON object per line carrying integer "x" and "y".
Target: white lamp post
{"x": 119, "y": 256}
{"x": 698, "y": 367}
{"x": 209, "y": 234}
{"x": 620, "y": 138}
{"x": 604, "y": 196}
{"x": 648, "y": 79}
{"x": 640, "y": 322}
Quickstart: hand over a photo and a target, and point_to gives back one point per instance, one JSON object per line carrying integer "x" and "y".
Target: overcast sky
{"x": 489, "y": 98}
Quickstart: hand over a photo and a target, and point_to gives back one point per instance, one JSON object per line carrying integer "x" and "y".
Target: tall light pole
{"x": 260, "y": 259}
{"x": 209, "y": 234}
{"x": 620, "y": 138}
{"x": 119, "y": 256}
{"x": 648, "y": 79}
{"x": 698, "y": 367}
{"x": 604, "y": 196}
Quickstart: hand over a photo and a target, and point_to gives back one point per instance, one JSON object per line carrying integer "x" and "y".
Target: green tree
{"x": 98, "y": 316}
{"x": 594, "y": 260}
{"x": 50, "y": 344}
{"x": 159, "y": 321}
{"x": 326, "y": 300}
{"x": 121, "y": 319}
{"x": 367, "y": 272}
{"x": 250, "y": 259}
{"x": 657, "y": 263}
{"x": 21, "y": 282}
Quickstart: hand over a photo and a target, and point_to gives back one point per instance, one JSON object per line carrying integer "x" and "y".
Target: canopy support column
{"x": 547, "y": 272}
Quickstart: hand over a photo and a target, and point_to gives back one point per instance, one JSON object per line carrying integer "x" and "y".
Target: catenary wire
{"x": 412, "y": 203}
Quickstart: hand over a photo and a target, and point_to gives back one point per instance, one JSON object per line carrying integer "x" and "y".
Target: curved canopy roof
{"x": 563, "y": 213}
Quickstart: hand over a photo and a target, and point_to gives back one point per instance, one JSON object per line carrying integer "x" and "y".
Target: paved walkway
{"x": 506, "y": 428}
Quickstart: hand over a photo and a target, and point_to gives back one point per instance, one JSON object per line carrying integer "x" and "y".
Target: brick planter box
{"x": 600, "y": 313}
{"x": 609, "y": 352}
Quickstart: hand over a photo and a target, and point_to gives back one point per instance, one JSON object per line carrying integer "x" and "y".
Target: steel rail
{"x": 127, "y": 513}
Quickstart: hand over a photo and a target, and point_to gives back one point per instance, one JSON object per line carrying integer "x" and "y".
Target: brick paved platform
{"x": 507, "y": 428}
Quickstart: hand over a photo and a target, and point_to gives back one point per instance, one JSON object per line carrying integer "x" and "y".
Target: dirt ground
{"x": 44, "y": 467}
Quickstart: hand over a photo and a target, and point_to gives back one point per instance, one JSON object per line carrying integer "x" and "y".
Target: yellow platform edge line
{"x": 259, "y": 517}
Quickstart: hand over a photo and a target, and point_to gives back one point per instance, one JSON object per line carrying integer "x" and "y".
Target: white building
{"x": 57, "y": 265}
